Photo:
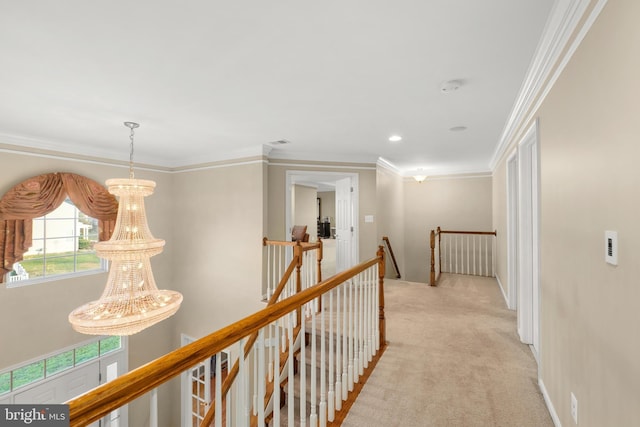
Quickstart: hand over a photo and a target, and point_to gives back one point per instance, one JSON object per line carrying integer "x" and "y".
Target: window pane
{"x": 28, "y": 374}
{"x": 60, "y": 264}
{"x": 87, "y": 261}
{"x": 109, "y": 344}
{"x": 60, "y": 362}
{"x": 5, "y": 383}
{"x": 60, "y": 228}
{"x": 86, "y": 353}
{"x": 34, "y": 265}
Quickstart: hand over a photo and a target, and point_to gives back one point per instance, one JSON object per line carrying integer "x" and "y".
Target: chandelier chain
{"x": 132, "y": 126}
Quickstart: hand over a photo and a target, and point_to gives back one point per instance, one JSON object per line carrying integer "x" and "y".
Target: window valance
{"x": 42, "y": 194}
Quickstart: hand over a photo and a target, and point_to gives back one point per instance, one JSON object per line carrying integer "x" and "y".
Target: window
{"x": 42, "y": 369}
{"x": 62, "y": 244}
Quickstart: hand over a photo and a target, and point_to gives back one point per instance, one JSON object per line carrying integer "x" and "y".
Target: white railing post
{"x": 153, "y": 407}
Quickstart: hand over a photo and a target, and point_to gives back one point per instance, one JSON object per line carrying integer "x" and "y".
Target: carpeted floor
{"x": 453, "y": 359}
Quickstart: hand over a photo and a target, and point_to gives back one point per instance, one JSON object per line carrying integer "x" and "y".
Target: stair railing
{"x": 355, "y": 315}
{"x": 462, "y": 252}
{"x": 393, "y": 257}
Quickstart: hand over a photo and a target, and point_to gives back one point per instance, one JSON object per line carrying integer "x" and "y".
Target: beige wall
{"x": 328, "y": 206}
{"x": 305, "y": 202}
{"x": 390, "y": 217}
{"x": 218, "y": 218}
{"x": 367, "y": 189}
{"x": 589, "y": 183}
{"x": 453, "y": 203}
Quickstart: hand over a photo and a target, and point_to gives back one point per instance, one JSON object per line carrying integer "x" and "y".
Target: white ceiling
{"x": 211, "y": 80}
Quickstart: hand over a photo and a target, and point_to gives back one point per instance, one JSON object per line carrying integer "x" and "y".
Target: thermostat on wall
{"x": 611, "y": 247}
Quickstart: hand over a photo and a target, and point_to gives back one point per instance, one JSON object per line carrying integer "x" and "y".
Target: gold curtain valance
{"x": 42, "y": 194}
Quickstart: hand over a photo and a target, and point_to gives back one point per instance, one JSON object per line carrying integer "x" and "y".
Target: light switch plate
{"x": 611, "y": 247}
{"x": 368, "y": 218}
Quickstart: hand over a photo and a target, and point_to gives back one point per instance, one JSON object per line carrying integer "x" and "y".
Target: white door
{"x": 196, "y": 391}
{"x": 64, "y": 387}
{"x": 344, "y": 224}
{"x": 111, "y": 367}
{"x": 528, "y": 238}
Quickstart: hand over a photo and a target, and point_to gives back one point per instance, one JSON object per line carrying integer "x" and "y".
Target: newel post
{"x": 381, "y": 319}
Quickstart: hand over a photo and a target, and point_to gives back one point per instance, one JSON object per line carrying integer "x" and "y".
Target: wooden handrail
{"x": 393, "y": 258}
{"x": 100, "y": 401}
{"x": 494, "y": 233}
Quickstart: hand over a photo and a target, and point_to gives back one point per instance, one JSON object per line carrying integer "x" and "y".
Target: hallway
{"x": 453, "y": 359}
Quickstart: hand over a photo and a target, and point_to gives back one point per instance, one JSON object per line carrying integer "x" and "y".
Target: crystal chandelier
{"x": 131, "y": 300}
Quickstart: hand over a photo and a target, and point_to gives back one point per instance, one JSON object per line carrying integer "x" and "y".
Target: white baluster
{"x": 367, "y": 317}
{"x": 331, "y": 395}
{"x": 276, "y": 379}
{"x": 376, "y": 307}
{"x": 322, "y": 409}
{"x": 260, "y": 378}
{"x": 313, "y": 418}
{"x": 240, "y": 392}
{"x": 303, "y": 370}
{"x": 153, "y": 409}
{"x": 361, "y": 315}
{"x": 474, "y": 255}
{"x": 338, "y": 350}
{"x": 345, "y": 341}
{"x": 290, "y": 401}
{"x": 486, "y": 249}
{"x": 350, "y": 338}
{"x": 254, "y": 397}
{"x": 218, "y": 397}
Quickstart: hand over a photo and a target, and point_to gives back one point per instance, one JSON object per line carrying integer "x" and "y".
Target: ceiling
{"x": 212, "y": 80}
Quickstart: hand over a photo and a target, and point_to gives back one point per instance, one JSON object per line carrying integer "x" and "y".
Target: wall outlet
{"x": 574, "y": 408}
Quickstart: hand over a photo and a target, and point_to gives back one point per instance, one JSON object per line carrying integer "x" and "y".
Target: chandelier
{"x": 131, "y": 300}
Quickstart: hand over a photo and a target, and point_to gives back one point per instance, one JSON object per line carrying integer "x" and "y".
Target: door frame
{"x": 529, "y": 239}
{"x": 512, "y": 230}
{"x": 309, "y": 176}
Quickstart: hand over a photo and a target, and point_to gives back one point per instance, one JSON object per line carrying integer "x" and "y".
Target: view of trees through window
{"x": 62, "y": 243}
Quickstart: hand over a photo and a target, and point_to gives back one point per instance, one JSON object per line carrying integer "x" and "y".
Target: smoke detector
{"x": 451, "y": 86}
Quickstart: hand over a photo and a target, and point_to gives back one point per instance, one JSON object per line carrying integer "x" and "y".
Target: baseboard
{"x": 506, "y": 300}
{"x": 547, "y": 400}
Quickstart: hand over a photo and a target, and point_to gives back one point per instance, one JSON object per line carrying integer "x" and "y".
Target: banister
{"x": 393, "y": 258}
{"x": 102, "y": 400}
{"x": 433, "y": 279}
{"x": 494, "y": 233}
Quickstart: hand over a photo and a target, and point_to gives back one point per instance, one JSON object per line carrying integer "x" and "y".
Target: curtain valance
{"x": 42, "y": 194}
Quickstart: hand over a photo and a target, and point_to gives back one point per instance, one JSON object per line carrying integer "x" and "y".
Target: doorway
{"x": 345, "y": 186}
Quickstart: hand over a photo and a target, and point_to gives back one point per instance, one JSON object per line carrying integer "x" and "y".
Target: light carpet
{"x": 453, "y": 359}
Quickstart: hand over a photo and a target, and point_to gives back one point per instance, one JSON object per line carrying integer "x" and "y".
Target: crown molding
{"x": 557, "y": 44}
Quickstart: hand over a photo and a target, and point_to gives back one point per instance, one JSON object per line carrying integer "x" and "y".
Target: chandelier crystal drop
{"x": 131, "y": 300}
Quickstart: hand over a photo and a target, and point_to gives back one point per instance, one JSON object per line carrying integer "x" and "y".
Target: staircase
{"x": 341, "y": 320}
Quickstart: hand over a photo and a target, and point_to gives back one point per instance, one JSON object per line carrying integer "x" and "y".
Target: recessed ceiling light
{"x": 451, "y": 86}
{"x": 458, "y": 128}
{"x": 395, "y": 138}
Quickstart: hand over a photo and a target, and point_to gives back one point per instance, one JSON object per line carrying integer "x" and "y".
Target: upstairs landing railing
{"x": 352, "y": 320}
{"x": 462, "y": 252}
{"x": 279, "y": 256}
{"x": 393, "y": 257}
